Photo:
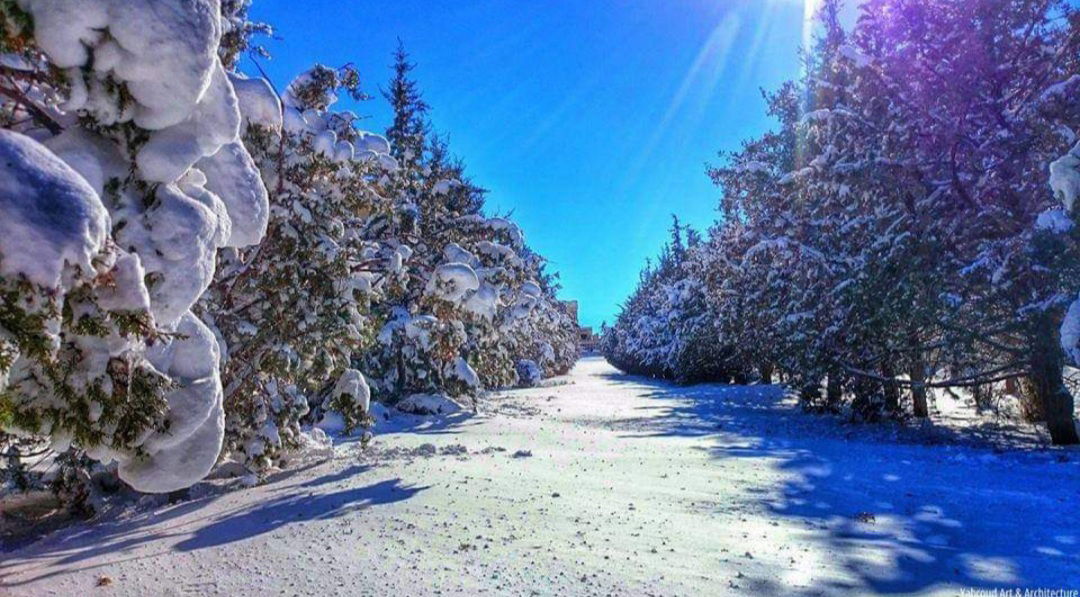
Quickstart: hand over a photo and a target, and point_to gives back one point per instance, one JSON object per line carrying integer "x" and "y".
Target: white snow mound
{"x": 428, "y": 404}
{"x": 49, "y": 214}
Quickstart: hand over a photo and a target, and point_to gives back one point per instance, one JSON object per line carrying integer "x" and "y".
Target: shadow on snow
{"x": 62, "y": 552}
{"x": 897, "y": 515}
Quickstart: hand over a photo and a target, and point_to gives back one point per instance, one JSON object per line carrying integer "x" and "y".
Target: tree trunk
{"x": 865, "y": 402}
{"x": 917, "y": 373}
{"x": 1031, "y": 406}
{"x": 892, "y": 390}
{"x": 834, "y": 390}
{"x": 810, "y": 396}
{"x": 766, "y": 373}
{"x": 1047, "y": 361}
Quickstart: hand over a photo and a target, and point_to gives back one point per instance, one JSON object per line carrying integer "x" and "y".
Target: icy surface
{"x": 621, "y": 486}
{"x": 49, "y": 215}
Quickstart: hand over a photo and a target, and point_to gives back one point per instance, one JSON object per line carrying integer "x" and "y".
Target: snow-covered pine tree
{"x": 896, "y": 231}
{"x": 295, "y": 310}
{"x": 477, "y": 303}
{"x": 665, "y": 329}
{"x": 108, "y": 107}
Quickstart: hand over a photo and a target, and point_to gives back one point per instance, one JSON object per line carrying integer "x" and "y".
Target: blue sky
{"x": 592, "y": 120}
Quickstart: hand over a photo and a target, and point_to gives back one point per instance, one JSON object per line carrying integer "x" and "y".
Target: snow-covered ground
{"x": 600, "y": 483}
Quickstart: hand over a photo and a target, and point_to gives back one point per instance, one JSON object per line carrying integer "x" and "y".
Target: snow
{"x": 451, "y": 281}
{"x": 1070, "y": 333}
{"x": 50, "y": 216}
{"x": 1054, "y": 220}
{"x": 464, "y": 372}
{"x": 428, "y": 404}
{"x": 184, "y": 232}
{"x": 856, "y": 56}
{"x": 128, "y": 291}
{"x": 258, "y": 103}
{"x": 214, "y": 122}
{"x": 455, "y": 253}
{"x": 187, "y": 448}
{"x": 352, "y": 383}
{"x": 484, "y": 302}
{"x": 163, "y": 50}
{"x": 1065, "y": 178}
{"x": 376, "y": 144}
{"x": 633, "y": 487}
{"x": 443, "y": 187}
{"x": 233, "y": 177}
{"x": 529, "y": 373}
{"x": 332, "y": 422}
{"x": 96, "y": 159}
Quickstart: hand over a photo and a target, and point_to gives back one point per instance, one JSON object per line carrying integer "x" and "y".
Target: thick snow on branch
{"x": 49, "y": 215}
{"x": 1065, "y": 178}
{"x": 188, "y": 447}
{"x": 151, "y": 154}
{"x": 163, "y": 50}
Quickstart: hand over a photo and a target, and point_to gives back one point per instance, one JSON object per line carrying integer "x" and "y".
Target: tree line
{"x": 197, "y": 267}
{"x": 909, "y": 224}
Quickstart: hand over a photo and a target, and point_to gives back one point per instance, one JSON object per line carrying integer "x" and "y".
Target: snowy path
{"x": 633, "y": 488}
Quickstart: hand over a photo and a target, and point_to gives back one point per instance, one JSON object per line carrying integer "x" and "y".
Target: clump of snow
{"x": 451, "y": 281}
{"x": 127, "y": 292}
{"x": 187, "y": 447}
{"x": 49, "y": 215}
{"x": 1065, "y": 178}
{"x": 376, "y": 144}
{"x": 92, "y": 156}
{"x": 464, "y": 372}
{"x": 856, "y": 56}
{"x": 1054, "y": 220}
{"x": 182, "y": 233}
{"x": 163, "y": 50}
{"x": 1070, "y": 333}
{"x": 428, "y": 404}
{"x": 528, "y": 372}
{"x": 231, "y": 174}
{"x": 443, "y": 187}
{"x": 332, "y": 422}
{"x": 259, "y": 105}
{"x": 214, "y": 122}
{"x": 352, "y": 384}
{"x": 455, "y": 253}
{"x": 484, "y": 302}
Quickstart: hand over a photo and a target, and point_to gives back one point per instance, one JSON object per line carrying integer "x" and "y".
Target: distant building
{"x": 571, "y": 306}
{"x": 588, "y": 340}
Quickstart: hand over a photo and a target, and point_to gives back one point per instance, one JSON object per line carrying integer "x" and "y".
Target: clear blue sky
{"x": 592, "y": 120}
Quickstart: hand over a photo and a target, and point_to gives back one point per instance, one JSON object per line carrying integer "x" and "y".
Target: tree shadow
{"x": 451, "y": 424}
{"x": 294, "y": 508}
{"x": 68, "y": 550}
{"x": 895, "y": 514}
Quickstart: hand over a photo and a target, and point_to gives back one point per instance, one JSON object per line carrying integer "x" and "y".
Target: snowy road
{"x": 632, "y": 488}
